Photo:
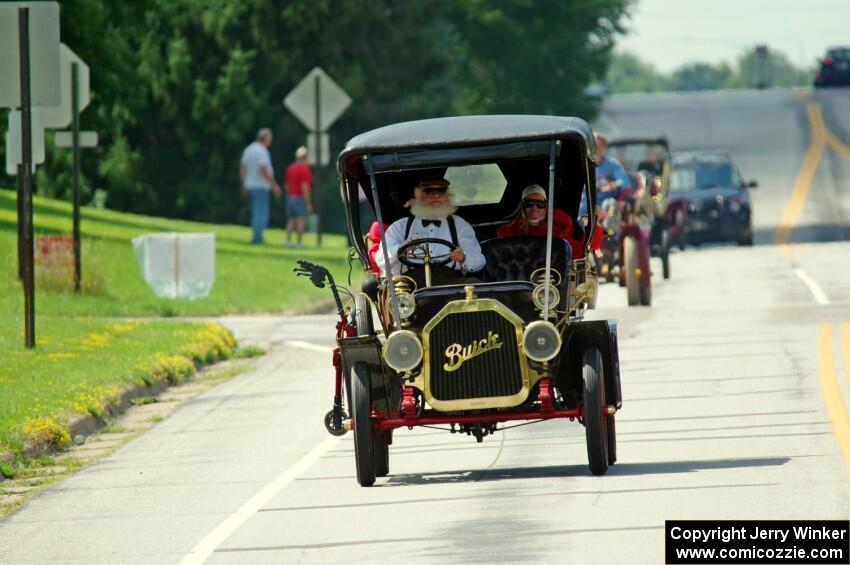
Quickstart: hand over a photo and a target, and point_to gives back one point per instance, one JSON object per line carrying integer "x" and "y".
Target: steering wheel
{"x": 414, "y": 249}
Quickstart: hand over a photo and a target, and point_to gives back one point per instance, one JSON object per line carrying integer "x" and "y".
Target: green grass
{"x": 82, "y": 365}
{"x": 83, "y": 359}
{"x": 249, "y": 278}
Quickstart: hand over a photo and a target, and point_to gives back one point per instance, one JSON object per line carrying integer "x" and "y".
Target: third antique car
{"x": 509, "y": 342}
{"x": 717, "y": 196}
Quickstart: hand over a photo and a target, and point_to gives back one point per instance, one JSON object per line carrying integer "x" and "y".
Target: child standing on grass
{"x": 299, "y": 184}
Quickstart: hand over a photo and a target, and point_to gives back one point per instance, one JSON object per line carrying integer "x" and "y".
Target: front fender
{"x": 580, "y": 336}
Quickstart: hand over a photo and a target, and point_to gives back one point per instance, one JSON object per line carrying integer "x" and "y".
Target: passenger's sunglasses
{"x": 531, "y": 203}
{"x": 434, "y": 190}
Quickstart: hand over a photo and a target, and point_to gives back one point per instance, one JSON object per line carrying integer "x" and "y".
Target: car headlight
{"x": 541, "y": 341}
{"x": 538, "y": 296}
{"x": 406, "y": 304}
{"x": 403, "y": 350}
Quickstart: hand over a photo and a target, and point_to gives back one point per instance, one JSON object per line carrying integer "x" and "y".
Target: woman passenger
{"x": 532, "y": 220}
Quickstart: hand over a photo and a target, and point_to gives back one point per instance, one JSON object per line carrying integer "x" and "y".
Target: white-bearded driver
{"x": 432, "y": 216}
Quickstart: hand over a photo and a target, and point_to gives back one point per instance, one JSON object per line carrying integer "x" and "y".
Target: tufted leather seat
{"x": 515, "y": 258}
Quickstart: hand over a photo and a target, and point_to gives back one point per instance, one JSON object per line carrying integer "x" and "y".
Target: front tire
{"x": 665, "y": 253}
{"x": 595, "y": 422}
{"x": 361, "y": 416}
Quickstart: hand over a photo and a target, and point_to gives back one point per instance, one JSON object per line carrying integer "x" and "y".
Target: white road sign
{"x": 318, "y": 153}
{"x": 13, "y": 142}
{"x": 60, "y": 116}
{"x": 333, "y": 100}
{"x": 44, "y": 54}
{"x": 66, "y": 139}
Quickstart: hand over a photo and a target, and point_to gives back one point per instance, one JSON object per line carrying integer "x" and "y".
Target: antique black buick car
{"x": 511, "y": 347}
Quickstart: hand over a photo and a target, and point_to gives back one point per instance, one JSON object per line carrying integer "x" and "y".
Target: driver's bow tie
{"x": 428, "y": 222}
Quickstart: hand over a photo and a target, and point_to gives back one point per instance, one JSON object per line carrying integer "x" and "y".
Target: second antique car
{"x": 512, "y": 346}
{"x": 647, "y": 160}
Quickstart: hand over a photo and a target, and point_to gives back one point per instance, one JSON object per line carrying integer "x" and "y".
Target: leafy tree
{"x": 179, "y": 87}
{"x": 524, "y": 56}
{"x": 701, "y": 76}
{"x": 776, "y": 70}
{"x": 628, "y": 73}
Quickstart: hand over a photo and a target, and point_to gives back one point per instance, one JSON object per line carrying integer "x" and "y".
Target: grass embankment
{"x": 82, "y": 366}
{"x": 249, "y": 278}
{"x": 85, "y": 356}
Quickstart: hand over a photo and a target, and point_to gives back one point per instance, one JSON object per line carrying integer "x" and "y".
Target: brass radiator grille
{"x": 476, "y": 366}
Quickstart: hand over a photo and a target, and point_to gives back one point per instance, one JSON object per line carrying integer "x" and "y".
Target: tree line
{"x": 179, "y": 87}
{"x": 628, "y": 73}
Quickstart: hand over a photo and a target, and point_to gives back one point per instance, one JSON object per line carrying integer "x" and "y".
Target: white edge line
{"x": 310, "y": 346}
{"x": 202, "y": 551}
{"x": 813, "y": 286}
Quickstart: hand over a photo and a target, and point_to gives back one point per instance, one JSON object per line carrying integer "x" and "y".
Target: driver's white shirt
{"x": 465, "y": 237}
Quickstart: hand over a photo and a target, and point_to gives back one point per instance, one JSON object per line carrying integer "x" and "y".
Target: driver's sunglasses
{"x": 434, "y": 190}
{"x": 531, "y": 202}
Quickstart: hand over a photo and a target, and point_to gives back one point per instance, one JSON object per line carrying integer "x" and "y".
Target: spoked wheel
{"x": 595, "y": 422}
{"x": 665, "y": 253}
{"x": 630, "y": 266}
{"x": 361, "y": 416}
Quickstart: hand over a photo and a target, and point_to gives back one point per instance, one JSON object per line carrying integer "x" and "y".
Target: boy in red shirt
{"x": 299, "y": 184}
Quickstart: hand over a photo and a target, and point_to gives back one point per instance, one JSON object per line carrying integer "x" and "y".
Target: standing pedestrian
{"x": 299, "y": 186}
{"x": 257, "y": 181}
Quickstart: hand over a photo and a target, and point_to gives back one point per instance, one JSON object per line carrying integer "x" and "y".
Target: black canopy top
{"x": 466, "y": 131}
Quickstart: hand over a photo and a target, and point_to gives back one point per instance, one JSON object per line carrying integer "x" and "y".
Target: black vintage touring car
{"x": 513, "y": 346}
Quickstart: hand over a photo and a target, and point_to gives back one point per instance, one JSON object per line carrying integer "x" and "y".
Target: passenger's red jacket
{"x": 562, "y": 226}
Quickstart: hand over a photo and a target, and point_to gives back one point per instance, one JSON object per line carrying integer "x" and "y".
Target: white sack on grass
{"x": 177, "y": 265}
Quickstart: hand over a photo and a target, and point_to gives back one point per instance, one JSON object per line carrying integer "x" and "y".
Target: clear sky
{"x": 668, "y": 33}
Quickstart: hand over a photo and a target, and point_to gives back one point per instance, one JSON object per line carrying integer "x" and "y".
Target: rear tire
{"x": 746, "y": 240}
{"x": 595, "y": 423}
{"x": 665, "y": 253}
{"x": 630, "y": 266}
{"x": 679, "y": 219}
{"x": 361, "y": 416}
{"x": 646, "y": 295}
{"x": 381, "y": 454}
{"x": 611, "y": 428}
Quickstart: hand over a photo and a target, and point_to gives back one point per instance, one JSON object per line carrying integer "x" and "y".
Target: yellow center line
{"x": 837, "y": 145}
{"x": 831, "y": 392}
{"x": 804, "y": 178}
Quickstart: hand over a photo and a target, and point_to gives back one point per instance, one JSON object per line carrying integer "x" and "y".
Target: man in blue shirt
{"x": 611, "y": 177}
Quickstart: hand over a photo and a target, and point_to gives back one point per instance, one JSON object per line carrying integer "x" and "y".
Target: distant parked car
{"x": 834, "y": 68}
{"x": 718, "y": 200}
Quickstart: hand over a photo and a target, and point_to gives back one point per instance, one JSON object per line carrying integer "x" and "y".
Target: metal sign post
{"x": 20, "y": 201}
{"x": 317, "y": 101}
{"x": 26, "y": 179}
{"x": 75, "y": 128}
{"x": 316, "y": 183}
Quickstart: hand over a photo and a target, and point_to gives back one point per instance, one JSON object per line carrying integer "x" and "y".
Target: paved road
{"x": 731, "y": 383}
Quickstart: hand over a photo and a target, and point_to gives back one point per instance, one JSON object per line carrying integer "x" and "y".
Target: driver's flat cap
{"x": 433, "y": 181}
